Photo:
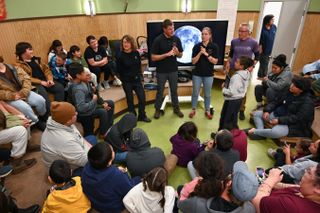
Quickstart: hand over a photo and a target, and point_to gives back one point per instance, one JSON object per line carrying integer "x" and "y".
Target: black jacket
{"x": 300, "y": 114}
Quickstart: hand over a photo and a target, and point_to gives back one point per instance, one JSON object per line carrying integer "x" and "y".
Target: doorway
{"x": 289, "y": 18}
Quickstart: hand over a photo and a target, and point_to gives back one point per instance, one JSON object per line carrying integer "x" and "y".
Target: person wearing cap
{"x": 141, "y": 158}
{"x": 290, "y": 115}
{"x": 276, "y": 82}
{"x": 273, "y": 196}
{"x": 61, "y": 140}
{"x": 230, "y": 194}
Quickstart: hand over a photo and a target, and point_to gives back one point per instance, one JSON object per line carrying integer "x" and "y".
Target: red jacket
{"x": 240, "y": 143}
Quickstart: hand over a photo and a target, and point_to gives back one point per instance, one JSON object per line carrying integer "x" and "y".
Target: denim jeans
{"x": 207, "y": 86}
{"x": 33, "y": 100}
{"x": 264, "y": 63}
{"x": 276, "y": 131}
{"x": 192, "y": 171}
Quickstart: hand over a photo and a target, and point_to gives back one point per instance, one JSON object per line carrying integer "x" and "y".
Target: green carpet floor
{"x": 160, "y": 131}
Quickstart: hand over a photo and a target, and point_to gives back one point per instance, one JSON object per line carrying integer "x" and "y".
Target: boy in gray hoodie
{"x": 233, "y": 90}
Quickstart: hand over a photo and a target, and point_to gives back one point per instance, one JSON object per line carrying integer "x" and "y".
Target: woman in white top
{"x": 152, "y": 194}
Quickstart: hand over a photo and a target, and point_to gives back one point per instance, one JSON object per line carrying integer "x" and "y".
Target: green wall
{"x": 18, "y": 9}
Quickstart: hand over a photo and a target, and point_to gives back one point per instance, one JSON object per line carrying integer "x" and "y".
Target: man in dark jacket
{"x": 141, "y": 157}
{"x": 291, "y": 115}
{"x": 119, "y": 135}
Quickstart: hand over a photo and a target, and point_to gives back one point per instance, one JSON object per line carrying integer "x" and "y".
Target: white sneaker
{"x": 100, "y": 87}
{"x": 117, "y": 82}
{"x": 106, "y": 84}
{"x": 271, "y": 152}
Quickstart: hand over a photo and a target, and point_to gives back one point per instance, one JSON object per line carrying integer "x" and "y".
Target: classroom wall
{"x": 73, "y": 28}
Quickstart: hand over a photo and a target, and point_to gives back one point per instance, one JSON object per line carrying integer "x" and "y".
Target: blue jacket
{"x": 106, "y": 188}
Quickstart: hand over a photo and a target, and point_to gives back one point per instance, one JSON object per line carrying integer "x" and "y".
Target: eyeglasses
{"x": 243, "y": 31}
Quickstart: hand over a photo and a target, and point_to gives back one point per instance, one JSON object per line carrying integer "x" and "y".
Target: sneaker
{"x": 106, "y": 85}
{"x": 20, "y": 165}
{"x": 117, "y": 82}
{"x": 5, "y": 171}
{"x": 100, "y": 87}
{"x": 192, "y": 113}
{"x": 208, "y": 115}
{"x": 178, "y": 112}
{"x": 156, "y": 114}
{"x": 271, "y": 152}
{"x": 242, "y": 116}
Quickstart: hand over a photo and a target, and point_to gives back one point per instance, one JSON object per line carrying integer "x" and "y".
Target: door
{"x": 289, "y": 19}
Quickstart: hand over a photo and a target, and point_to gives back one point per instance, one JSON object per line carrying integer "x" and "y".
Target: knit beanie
{"x": 62, "y": 112}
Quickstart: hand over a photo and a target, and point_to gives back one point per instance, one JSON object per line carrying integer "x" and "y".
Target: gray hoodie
{"x": 202, "y": 205}
{"x": 81, "y": 97}
{"x": 60, "y": 142}
{"x": 238, "y": 85}
{"x": 280, "y": 82}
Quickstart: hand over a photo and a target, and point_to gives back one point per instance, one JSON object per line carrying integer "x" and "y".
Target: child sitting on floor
{"x": 185, "y": 144}
{"x": 283, "y": 156}
{"x": 152, "y": 195}
{"x": 66, "y": 194}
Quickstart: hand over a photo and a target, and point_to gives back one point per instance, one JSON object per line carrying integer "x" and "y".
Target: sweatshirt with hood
{"x": 107, "y": 187}
{"x": 202, "y": 205}
{"x": 67, "y": 200}
{"x": 240, "y": 143}
{"x": 61, "y": 142}
{"x": 141, "y": 158}
{"x": 139, "y": 200}
{"x": 238, "y": 85}
{"x": 185, "y": 150}
{"x": 120, "y": 133}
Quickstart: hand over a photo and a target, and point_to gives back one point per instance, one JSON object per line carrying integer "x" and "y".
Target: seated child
{"x": 103, "y": 183}
{"x": 185, "y": 144}
{"x": 283, "y": 155}
{"x": 58, "y": 65}
{"x": 66, "y": 193}
{"x": 75, "y": 56}
{"x": 88, "y": 104}
{"x": 152, "y": 195}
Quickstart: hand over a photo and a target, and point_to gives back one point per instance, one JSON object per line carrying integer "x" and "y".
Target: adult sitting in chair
{"x": 291, "y": 115}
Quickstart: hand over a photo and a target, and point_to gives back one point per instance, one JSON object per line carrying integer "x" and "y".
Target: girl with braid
{"x": 152, "y": 194}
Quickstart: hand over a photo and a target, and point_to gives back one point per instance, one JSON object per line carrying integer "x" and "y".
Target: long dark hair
{"x": 188, "y": 131}
{"x": 55, "y": 43}
{"x": 267, "y": 19}
{"x": 72, "y": 50}
{"x": 156, "y": 180}
{"x": 210, "y": 168}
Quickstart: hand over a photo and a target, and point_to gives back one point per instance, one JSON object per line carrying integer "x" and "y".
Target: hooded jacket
{"x": 139, "y": 201}
{"x": 60, "y": 142}
{"x": 120, "y": 133}
{"x": 202, "y": 205}
{"x": 67, "y": 201}
{"x": 281, "y": 81}
{"x": 299, "y": 115}
{"x": 106, "y": 188}
{"x": 185, "y": 150}
{"x": 238, "y": 85}
{"x": 240, "y": 143}
{"x": 141, "y": 158}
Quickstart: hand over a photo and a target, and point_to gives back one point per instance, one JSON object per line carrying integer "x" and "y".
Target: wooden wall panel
{"x": 309, "y": 46}
{"x": 73, "y": 30}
